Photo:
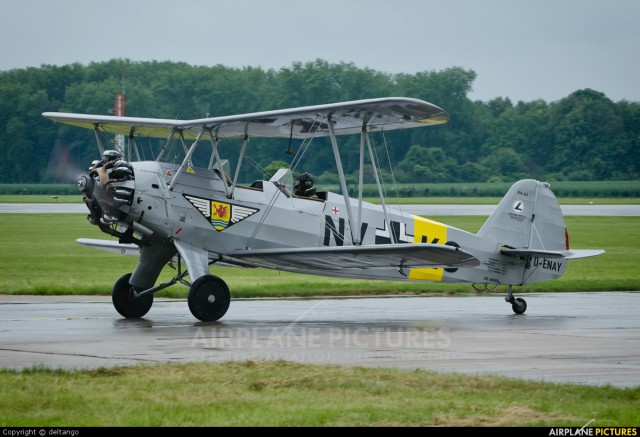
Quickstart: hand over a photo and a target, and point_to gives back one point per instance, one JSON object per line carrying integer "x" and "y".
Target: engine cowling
{"x": 108, "y": 189}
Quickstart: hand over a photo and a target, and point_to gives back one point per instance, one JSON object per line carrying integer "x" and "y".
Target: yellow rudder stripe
{"x": 428, "y": 231}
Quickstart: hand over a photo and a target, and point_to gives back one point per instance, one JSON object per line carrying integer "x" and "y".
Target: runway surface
{"x": 583, "y": 338}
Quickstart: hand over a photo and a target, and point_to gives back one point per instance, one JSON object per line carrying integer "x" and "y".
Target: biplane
{"x": 174, "y": 211}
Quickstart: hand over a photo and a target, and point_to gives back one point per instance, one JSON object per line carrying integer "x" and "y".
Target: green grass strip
{"x": 40, "y": 256}
{"x": 279, "y": 393}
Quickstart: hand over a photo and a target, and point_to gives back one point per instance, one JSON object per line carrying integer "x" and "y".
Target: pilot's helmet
{"x": 121, "y": 163}
{"x": 94, "y": 163}
{"x": 111, "y": 155}
{"x": 303, "y": 182}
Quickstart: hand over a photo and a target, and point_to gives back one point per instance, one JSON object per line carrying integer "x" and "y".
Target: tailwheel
{"x": 209, "y": 298}
{"x": 125, "y": 301}
{"x": 518, "y": 304}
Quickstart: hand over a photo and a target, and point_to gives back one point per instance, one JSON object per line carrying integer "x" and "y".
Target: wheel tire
{"x": 519, "y": 306}
{"x": 125, "y": 302}
{"x": 209, "y": 298}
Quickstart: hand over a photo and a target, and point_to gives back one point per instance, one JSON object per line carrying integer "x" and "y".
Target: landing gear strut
{"x": 209, "y": 296}
{"x": 518, "y": 305}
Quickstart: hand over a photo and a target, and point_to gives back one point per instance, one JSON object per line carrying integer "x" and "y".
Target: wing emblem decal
{"x": 221, "y": 215}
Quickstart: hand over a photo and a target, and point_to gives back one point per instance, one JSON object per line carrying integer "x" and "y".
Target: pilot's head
{"x": 111, "y": 155}
{"x": 303, "y": 183}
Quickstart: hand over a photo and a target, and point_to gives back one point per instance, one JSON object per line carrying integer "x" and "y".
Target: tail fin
{"x": 528, "y": 217}
{"x": 529, "y": 225}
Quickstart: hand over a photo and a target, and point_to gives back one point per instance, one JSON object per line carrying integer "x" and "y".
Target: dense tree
{"x": 427, "y": 164}
{"x": 585, "y": 127}
{"x": 584, "y": 136}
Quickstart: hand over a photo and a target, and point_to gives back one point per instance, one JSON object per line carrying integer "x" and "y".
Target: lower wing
{"x": 329, "y": 258}
{"x": 364, "y": 257}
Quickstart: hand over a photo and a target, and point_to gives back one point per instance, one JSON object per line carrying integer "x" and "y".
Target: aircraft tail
{"x": 528, "y": 223}
{"x": 528, "y": 217}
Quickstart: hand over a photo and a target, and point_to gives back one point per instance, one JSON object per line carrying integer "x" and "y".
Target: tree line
{"x": 584, "y": 136}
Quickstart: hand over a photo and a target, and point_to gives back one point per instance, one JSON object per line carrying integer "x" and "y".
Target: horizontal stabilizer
{"x": 518, "y": 253}
{"x": 567, "y": 254}
{"x": 364, "y": 257}
{"x": 583, "y": 253}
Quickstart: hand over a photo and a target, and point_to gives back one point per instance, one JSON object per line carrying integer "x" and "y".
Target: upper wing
{"x": 347, "y": 118}
{"x": 365, "y": 257}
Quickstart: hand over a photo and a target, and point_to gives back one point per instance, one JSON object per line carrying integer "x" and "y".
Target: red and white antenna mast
{"x": 119, "y": 111}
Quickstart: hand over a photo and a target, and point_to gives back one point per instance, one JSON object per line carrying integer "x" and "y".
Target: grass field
{"x": 259, "y": 394}
{"x": 40, "y": 256}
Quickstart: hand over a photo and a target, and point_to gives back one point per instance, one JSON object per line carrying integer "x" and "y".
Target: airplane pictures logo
{"x": 220, "y": 214}
{"x": 594, "y": 432}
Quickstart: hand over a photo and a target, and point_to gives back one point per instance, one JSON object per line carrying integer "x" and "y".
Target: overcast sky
{"x": 521, "y": 49}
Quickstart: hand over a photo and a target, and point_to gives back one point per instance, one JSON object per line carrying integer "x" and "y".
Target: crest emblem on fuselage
{"x": 221, "y": 215}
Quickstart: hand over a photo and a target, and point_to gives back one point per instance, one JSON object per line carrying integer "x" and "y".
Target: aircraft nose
{"x": 108, "y": 190}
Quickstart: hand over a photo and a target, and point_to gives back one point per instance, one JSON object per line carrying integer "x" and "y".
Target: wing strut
{"x": 214, "y": 146}
{"x": 166, "y": 143}
{"x": 363, "y": 134}
{"x": 343, "y": 182}
{"x": 216, "y": 155}
{"x": 379, "y": 185}
{"x": 183, "y": 142}
{"x": 96, "y": 129}
{"x": 133, "y": 145}
{"x": 235, "y": 176}
{"x": 186, "y": 160}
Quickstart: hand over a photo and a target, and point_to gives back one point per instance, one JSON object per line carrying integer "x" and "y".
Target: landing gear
{"x": 209, "y": 298}
{"x": 518, "y": 305}
{"x": 125, "y": 301}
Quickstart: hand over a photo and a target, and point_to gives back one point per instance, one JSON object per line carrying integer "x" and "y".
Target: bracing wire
{"x": 111, "y": 141}
{"x": 393, "y": 177}
{"x": 306, "y": 142}
{"x": 294, "y": 164}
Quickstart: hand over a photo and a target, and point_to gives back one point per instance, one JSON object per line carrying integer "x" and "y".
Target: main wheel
{"x": 209, "y": 298}
{"x": 519, "y": 306}
{"x": 125, "y": 302}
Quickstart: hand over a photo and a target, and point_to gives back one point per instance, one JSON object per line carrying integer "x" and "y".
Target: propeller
{"x": 62, "y": 167}
{"x": 104, "y": 190}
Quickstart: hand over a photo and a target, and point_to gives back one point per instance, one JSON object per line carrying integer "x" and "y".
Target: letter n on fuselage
{"x": 338, "y": 233}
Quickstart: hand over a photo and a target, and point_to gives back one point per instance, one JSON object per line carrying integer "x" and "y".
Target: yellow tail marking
{"x": 428, "y": 231}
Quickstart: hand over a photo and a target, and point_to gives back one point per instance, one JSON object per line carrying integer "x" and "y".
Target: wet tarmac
{"x": 582, "y": 338}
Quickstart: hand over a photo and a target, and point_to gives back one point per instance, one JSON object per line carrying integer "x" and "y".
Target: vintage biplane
{"x": 198, "y": 215}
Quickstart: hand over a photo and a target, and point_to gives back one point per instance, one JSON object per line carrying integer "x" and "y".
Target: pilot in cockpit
{"x": 303, "y": 186}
